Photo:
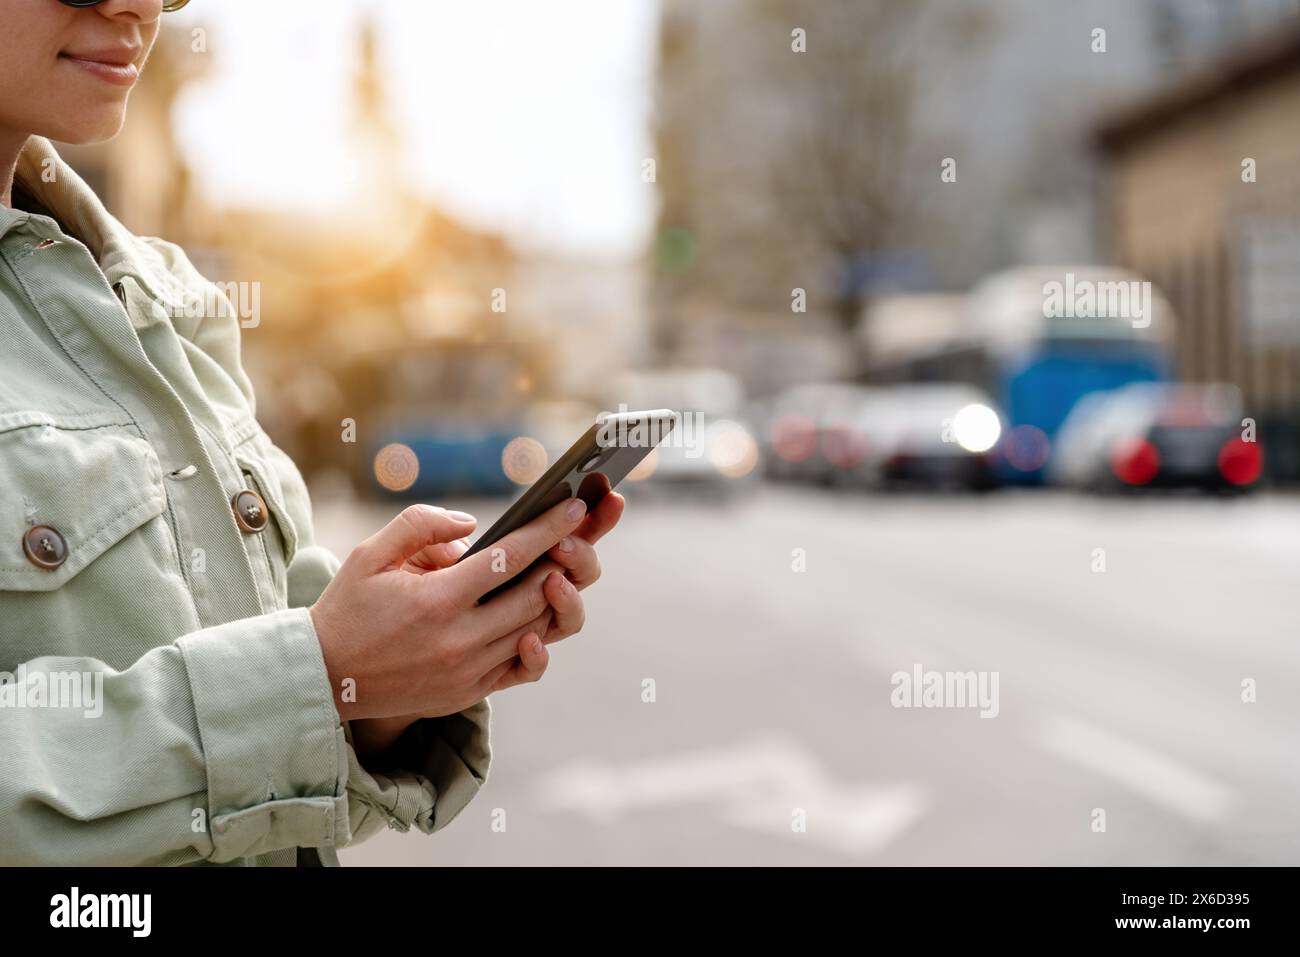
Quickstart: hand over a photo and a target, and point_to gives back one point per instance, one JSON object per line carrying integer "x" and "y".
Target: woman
{"x": 191, "y": 679}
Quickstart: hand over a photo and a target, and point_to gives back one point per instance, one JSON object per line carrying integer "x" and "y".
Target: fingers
{"x": 530, "y": 665}
{"x": 570, "y": 613}
{"x": 577, "y": 557}
{"x": 442, "y": 555}
{"x": 514, "y": 659}
{"x": 414, "y": 529}
{"x": 480, "y": 573}
{"x": 518, "y": 606}
{"x": 564, "y": 615}
{"x": 603, "y": 518}
{"x": 506, "y": 647}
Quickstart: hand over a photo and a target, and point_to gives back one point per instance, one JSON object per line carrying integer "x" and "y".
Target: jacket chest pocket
{"x": 78, "y": 541}
{"x": 73, "y": 488}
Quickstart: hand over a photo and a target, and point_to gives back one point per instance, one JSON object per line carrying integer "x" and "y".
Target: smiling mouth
{"x": 116, "y": 69}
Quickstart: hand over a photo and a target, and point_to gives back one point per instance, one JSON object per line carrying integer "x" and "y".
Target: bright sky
{"x": 523, "y": 116}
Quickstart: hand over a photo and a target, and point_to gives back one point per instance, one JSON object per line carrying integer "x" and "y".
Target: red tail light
{"x": 843, "y": 446}
{"x": 1135, "y": 462}
{"x": 793, "y": 438}
{"x": 1240, "y": 462}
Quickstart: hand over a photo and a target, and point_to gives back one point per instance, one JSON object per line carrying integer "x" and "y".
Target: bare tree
{"x": 857, "y": 175}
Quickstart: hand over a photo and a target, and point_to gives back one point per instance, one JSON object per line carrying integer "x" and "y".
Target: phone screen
{"x": 589, "y": 470}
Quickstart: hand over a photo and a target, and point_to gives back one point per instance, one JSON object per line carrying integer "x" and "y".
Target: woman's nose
{"x": 135, "y": 11}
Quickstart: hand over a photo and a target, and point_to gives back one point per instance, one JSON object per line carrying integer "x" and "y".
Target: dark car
{"x": 1158, "y": 436}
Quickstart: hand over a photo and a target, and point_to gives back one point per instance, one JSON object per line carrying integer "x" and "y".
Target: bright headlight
{"x": 976, "y": 428}
{"x": 732, "y": 450}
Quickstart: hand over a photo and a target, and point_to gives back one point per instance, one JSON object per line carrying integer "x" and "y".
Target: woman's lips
{"x": 117, "y": 73}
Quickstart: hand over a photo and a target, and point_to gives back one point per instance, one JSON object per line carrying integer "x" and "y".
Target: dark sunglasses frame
{"x": 169, "y": 6}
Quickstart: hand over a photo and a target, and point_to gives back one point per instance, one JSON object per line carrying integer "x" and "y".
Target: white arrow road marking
{"x": 756, "y": 785}
{"x": 602, "y": 790}
{"x": 1155, "y": 776}
{"x": 855, "y": 820}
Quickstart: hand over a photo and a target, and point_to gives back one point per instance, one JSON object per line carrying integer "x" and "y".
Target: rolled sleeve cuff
{"x": 274, "y": 748}
{"x": 443, "y": 762}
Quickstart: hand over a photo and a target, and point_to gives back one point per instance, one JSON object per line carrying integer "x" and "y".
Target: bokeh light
{"x": 1135, "y": 461}
{"x": 1026, "y": 448}
{"x": 793, "y": 437}
{"x": 396, "y": 467}
{"x": 732, "y": 450}
{"x": 843, "y": 446}
{"x": 976, "y": 428}
{"x": 1240, "y": 462}
{"x": 523, "y": 460}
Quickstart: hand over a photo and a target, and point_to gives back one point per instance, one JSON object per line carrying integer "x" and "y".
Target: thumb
{"x": 414, "y": 528}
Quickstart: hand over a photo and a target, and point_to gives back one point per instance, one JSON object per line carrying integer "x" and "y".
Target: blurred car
{"x": 810, "y": 432}
{"x": 932, "y": 435}
{"x": 713, "y": 446}
{"x": 1157, "y": 435}
{"x": 1036, "y": 338}
{"x": 438, "y": 419}
{"x": 425, "y": 460}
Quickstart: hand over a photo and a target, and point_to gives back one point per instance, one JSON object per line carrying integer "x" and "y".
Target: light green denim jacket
{"x": 127, "y": 429}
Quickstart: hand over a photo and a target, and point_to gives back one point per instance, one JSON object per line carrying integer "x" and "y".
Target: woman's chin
{"x": 86, "y": 128}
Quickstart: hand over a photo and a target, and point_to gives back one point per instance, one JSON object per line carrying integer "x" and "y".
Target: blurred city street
{"x": 975, "y": 538}
{"x": 1119, "y": 690}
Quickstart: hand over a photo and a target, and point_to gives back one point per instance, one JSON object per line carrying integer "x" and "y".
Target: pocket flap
{"x": 91, "y": 478}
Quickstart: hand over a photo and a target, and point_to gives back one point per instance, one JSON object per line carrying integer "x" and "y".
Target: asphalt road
{"x": 1120, "y": 736}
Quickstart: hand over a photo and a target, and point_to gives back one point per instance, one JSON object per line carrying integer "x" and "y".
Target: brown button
{"x": 45, "y": 547}
{"x": 250, "y": 511}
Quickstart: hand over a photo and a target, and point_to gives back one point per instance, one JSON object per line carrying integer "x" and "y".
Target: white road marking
{"x": 856, "y": 821}
{"x": 756, "y": 785}
{"x": 1155, "y": 776}
{"x": 602, "y": 790}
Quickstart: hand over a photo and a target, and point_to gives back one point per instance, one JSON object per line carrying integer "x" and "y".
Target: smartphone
{"x": 613, "y": 446}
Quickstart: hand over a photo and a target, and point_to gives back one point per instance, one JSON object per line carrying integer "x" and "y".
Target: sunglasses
{"x": 170, "y": 6}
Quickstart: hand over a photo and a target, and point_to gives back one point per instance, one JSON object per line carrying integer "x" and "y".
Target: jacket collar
{"x": 119, "y": 253}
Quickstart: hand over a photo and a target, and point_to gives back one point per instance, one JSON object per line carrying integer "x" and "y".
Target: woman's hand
{"x": 573, "y": 565}
{"x": 576, "y": 554}
{"x": 397, "y": 640}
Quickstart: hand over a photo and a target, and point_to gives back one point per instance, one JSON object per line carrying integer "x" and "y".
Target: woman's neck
{"x": 11, "y": 144}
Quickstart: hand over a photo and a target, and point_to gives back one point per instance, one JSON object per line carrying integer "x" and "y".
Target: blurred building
{"x": 780, "y": 170}
{"x": 1202, "y": 195}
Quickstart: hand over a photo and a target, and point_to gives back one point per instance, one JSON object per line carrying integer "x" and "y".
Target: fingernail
{"x": 577, "y": 508}
{"x": 537, "y": 645}
{"x": 458, "y": 548}
{"x": 461, "y": 516}
{"x": 566, "y": 544}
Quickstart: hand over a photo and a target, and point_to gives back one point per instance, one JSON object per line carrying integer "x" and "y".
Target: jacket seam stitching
{"x": 90, "y": 540}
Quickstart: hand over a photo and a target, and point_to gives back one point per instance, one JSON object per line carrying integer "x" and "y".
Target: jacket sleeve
{"x": 445, "y": 759}
{"x": 442, "y": 761}
{"x": 222, "y": 745}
